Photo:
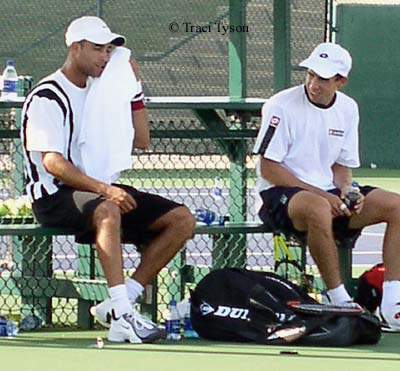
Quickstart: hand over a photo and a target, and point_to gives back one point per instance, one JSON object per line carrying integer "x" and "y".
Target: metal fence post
{"x": 282, "y": 64}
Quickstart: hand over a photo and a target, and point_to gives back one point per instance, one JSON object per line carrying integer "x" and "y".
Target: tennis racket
{"x": 328, "y": 309}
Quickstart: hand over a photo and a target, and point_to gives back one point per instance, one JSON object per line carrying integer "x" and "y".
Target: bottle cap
{"x": 10, "y": 63}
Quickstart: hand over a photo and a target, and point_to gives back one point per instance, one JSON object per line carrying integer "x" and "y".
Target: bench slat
{"x": 38, "y": 230}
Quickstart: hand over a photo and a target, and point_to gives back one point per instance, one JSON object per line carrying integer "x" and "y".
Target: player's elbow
{"x": 50, "y": 161}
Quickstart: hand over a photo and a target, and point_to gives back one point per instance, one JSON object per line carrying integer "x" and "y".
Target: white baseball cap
{"x": 328, "y": 60}
{"x": 92, "y": 29}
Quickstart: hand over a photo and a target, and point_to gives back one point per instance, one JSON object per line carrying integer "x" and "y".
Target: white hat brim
{"x": 322, "y": 68}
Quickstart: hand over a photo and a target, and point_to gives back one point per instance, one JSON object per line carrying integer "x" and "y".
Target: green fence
{"x": 175, "y": 63}
{"x": 370, "y": 33}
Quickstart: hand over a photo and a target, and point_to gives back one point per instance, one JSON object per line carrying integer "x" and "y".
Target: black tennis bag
{"x": 244, "y": 306}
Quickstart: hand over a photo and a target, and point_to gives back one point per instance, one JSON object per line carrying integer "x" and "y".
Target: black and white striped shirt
{"x": 51, "y": 122}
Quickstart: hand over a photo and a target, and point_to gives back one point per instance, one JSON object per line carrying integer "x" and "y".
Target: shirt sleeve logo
{"x": 274, "y": 122}
{"x": 336, "y": 132}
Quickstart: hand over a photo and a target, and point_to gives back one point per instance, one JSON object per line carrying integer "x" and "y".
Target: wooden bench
{"x": 33, "y": 259}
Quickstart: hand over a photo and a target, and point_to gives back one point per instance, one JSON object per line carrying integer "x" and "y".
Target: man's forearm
{"x": 66, "y": 172}
{"x": 342, "y": 176}
{"x": 141, "y": 125}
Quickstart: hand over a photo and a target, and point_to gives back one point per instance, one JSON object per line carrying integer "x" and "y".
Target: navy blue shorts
{"x": 275, "y": 210}
{"x": 74, "y": 209}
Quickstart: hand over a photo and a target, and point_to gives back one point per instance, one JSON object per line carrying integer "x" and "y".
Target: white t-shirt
{"x": 51, "y": 122}
{"x": 306, "y": 139}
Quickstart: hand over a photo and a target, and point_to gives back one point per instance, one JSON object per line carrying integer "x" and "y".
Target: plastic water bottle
{"x": 173, "y": 324}
{"x": 12, "y": 328}
{"x": 217, "y": 190}
{"x": 352, "y": 196}
{"x": 209, "y": 217}
{"x": 188, "y": 331}
{"x": 10, "y": 82}
{"x": 216, "y": 193}
{"x": 3, "y": 326}
{"x": 30, "y": 323}
{"x": 204, "y": 215}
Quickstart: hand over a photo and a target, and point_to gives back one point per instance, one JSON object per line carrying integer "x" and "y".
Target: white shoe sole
{"x": 122, "y": 337}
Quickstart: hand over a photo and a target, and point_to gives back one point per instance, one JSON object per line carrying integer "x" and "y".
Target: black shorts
{"x": 275, "y": 210}
{"x": 74, "y": 209}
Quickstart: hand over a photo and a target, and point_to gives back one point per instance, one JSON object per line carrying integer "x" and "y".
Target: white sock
{"x": 390, "y": 294}
{"x": 135, "y": 289}
{"x": 119, "y": 300}
{"x": 338, "y": 295}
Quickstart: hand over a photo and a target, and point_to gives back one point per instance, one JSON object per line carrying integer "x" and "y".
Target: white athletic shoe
{"x": 390, "y": 318}
{"x": 133, "y": 328}
{"x": 102, "y": 313}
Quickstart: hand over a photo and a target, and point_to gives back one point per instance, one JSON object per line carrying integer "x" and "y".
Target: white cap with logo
{"x": 327, "y": 60}
{"x": 92, "y": 29}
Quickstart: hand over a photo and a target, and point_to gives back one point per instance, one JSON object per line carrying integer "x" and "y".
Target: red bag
{"x": 369, "y": 293}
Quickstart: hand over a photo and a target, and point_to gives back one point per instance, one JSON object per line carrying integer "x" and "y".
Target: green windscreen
{"x": 371, "y": 34}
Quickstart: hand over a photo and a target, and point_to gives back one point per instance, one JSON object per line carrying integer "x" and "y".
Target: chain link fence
{"x": 184, "y": 162}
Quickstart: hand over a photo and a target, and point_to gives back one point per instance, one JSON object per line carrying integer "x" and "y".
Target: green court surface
{"x": 73, "y": 350}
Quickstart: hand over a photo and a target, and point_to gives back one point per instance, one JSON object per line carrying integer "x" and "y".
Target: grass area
{"x": 388, "y": 179}
{"x": 376, "y": 173}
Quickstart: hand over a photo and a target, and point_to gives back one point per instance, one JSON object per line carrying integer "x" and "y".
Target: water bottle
{"x": 30, "y": 323}
{"x": 12, "y": 328}
{"x": 216, "y": 193}
{"x": 352, "y": 196}
{"x": 204, "y": 215}
{"x": 173, "y": 324}
{"x": 188, "y": 331}
{"x": 10, "y": 82}
{"x": 3, "y": 326}
{"x": 209, "y": 217}
{"x": 217, "y": 190}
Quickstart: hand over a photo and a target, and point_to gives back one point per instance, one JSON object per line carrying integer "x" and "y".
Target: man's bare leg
{"x": 382, "y": 206}
{"x": 174, "y": 228}
{"x": 107, "y": 222}
{"x": 312, "y": 213}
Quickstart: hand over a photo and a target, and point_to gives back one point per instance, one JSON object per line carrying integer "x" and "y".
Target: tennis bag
{"x": 244, "y": 306}
{"x": 369, "y": 291}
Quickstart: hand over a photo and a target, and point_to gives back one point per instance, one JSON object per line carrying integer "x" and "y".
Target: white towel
{"x": 106, "y": 136}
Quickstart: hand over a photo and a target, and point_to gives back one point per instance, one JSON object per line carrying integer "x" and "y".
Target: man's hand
{"x": 356, "y": 209}
{"x": 123, "y": 199}
{"x": 338, "y": 207}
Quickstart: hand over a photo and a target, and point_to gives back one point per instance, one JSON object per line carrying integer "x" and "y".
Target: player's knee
{"x": 107, "y": 212}
{"x": 184, "y": 222}
{"x": 393, "y": 208}
{"x": 319, "y": 212}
